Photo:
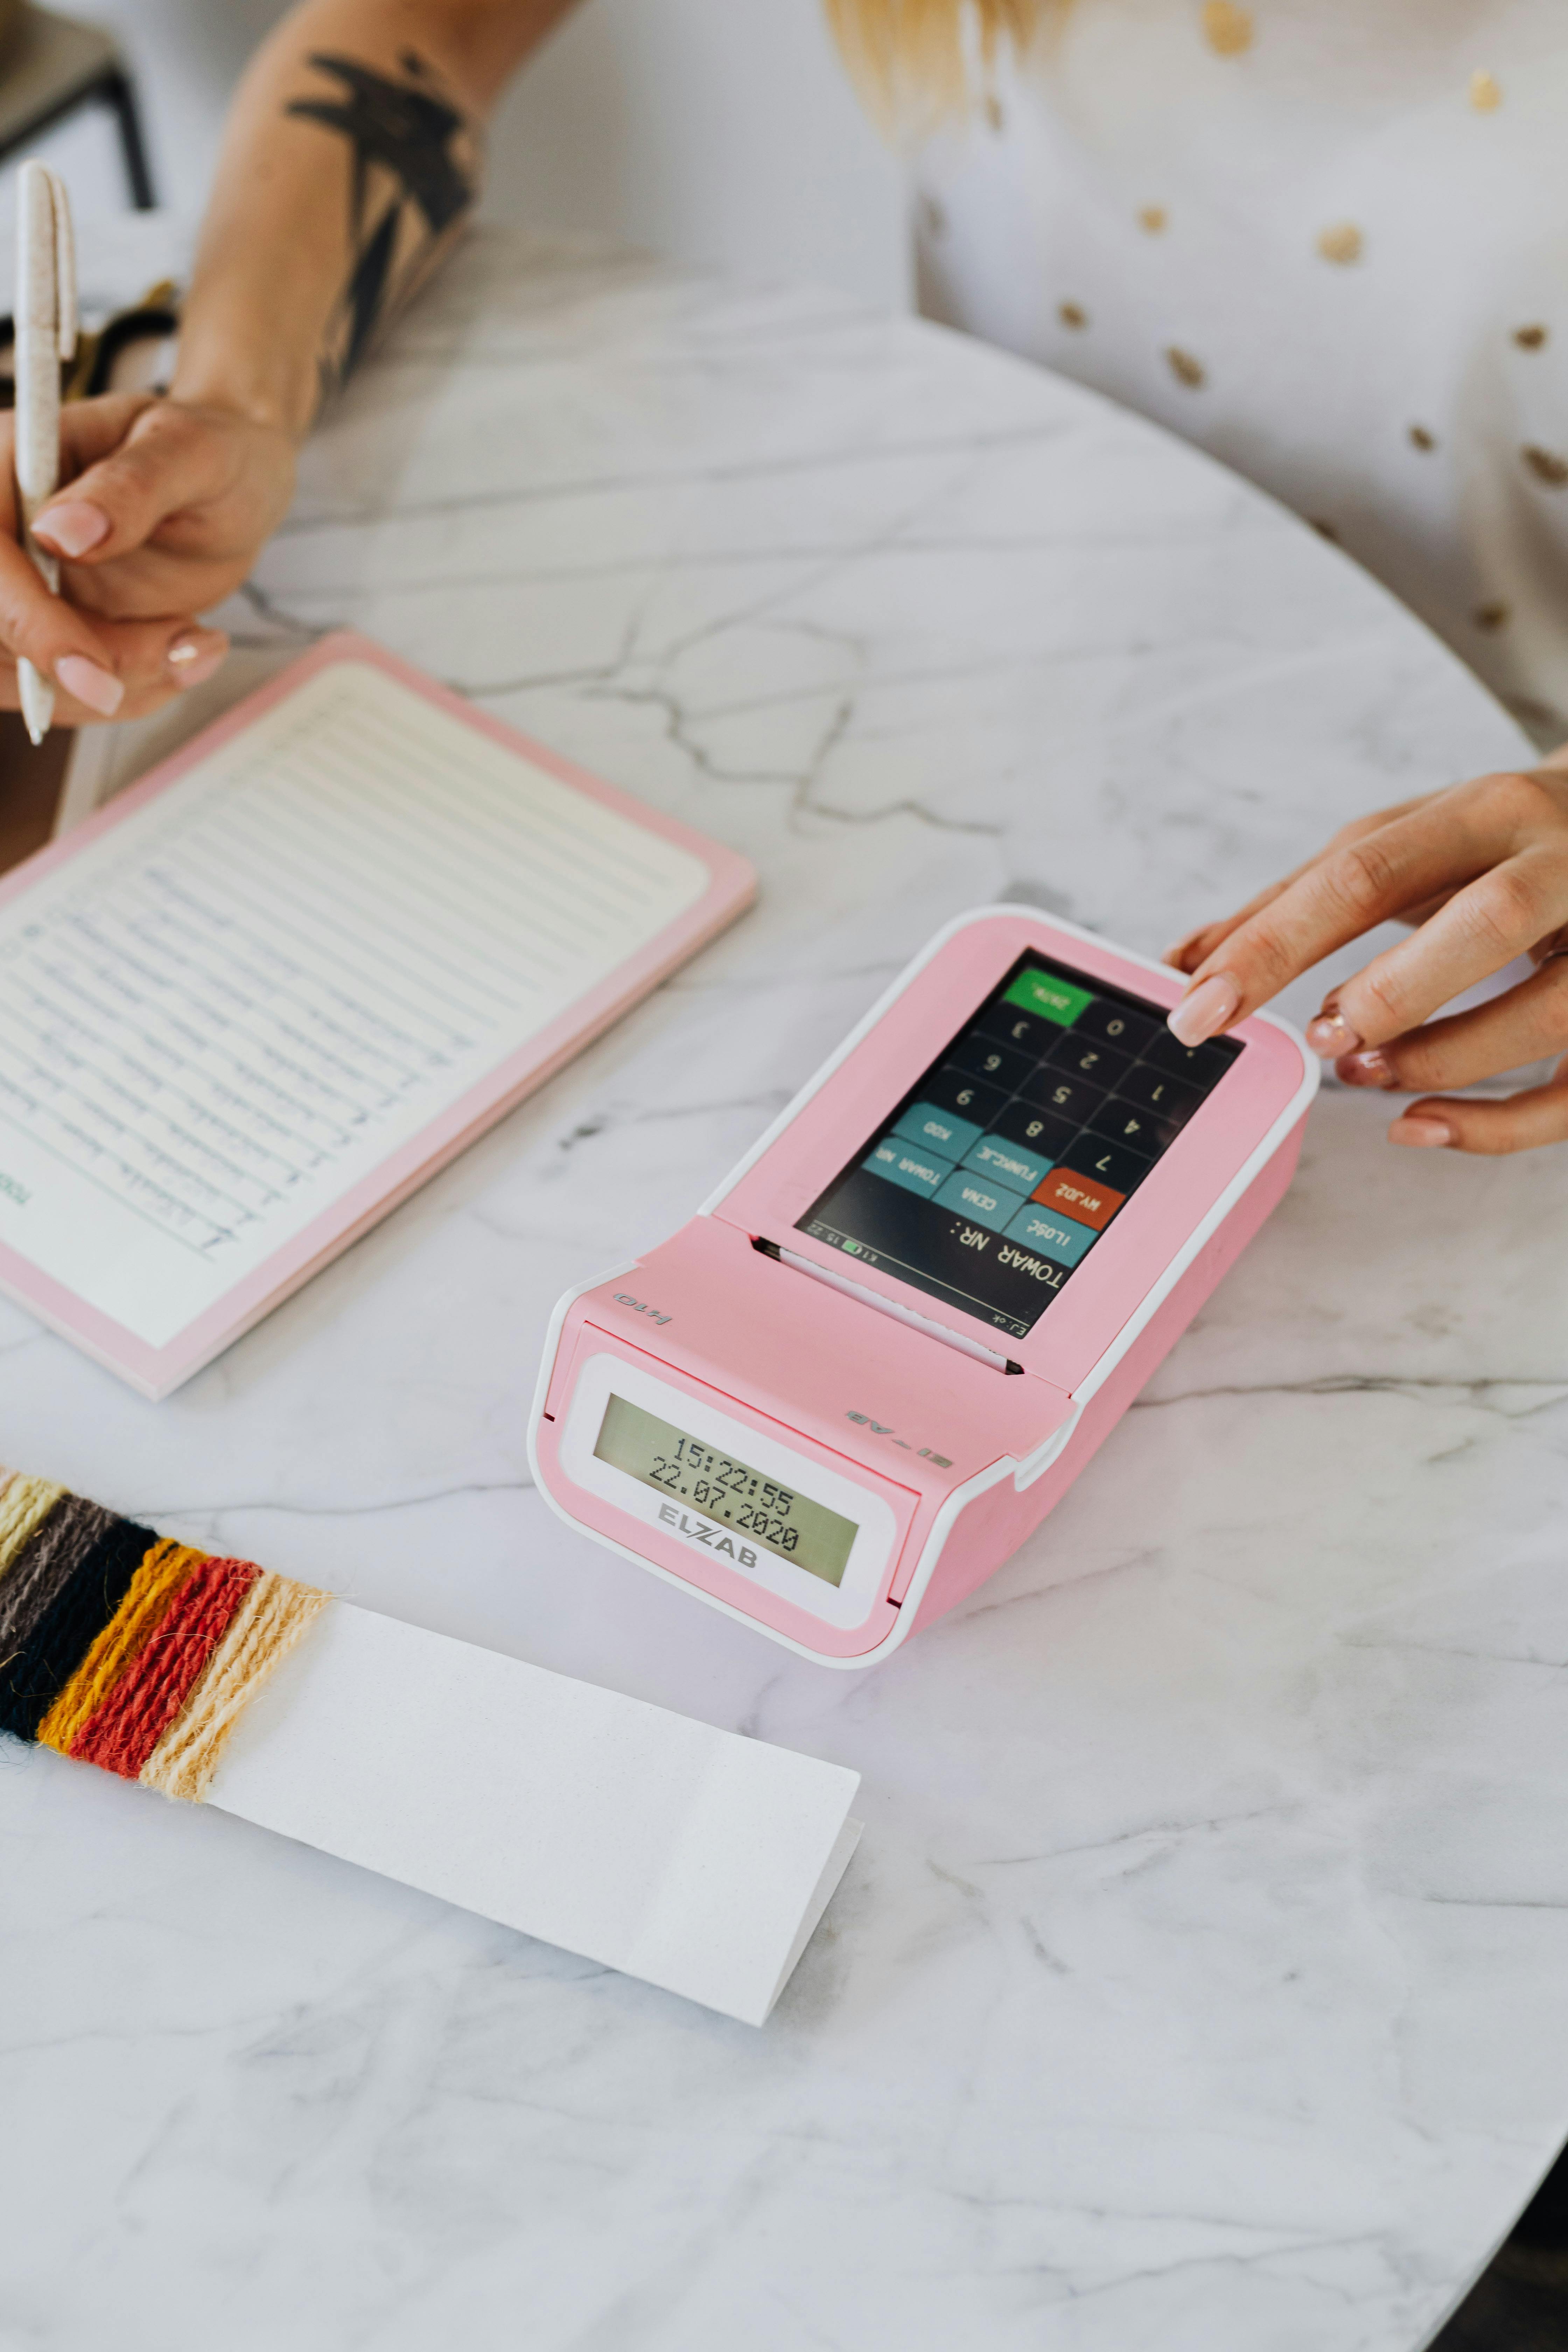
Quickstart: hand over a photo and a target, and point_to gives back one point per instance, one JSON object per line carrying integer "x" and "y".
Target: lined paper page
{"x": 227, "y": 1010}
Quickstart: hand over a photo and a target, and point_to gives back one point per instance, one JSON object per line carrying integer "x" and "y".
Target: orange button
{"x": 1078, "y": 1196}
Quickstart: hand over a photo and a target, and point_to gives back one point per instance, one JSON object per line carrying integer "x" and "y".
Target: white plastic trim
{"x": 1034, "y": 1465}
{"x": 563, "y": 1306}
{"x": 846, "y": 1605}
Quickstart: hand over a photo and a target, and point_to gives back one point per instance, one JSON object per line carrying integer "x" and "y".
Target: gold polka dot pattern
{"x": 1227, "y": 30}
{"x": 1341, "y": 242}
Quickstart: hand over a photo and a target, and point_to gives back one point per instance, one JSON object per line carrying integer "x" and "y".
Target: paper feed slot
{"x": 909, "y": 1315}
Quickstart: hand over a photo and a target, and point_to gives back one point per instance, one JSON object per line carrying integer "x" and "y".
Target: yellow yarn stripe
{"x": 146, "y": 1603}
{"x": 25, "y": 1504}
{"x": 270, "y": 1621}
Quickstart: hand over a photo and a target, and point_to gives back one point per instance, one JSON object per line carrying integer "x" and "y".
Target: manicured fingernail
{"x": 1331, "y": 1035}
{"x": 98, "y": 689}
{"x": 1426, "y": 1134}
{"x": 72, "y": 528}
{"x": 1205, "y": 1009}
{"x": 1367, "y": 1068}
{"x": 196, "y": 656}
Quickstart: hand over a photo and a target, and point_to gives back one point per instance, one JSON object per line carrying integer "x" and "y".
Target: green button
{"x": 1053, "y": 999}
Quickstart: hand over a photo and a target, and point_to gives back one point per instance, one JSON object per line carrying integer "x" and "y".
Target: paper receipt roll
{"x": 694, "y": 1858}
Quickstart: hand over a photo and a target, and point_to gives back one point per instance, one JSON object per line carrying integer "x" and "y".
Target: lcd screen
{"x": 999, "y": 1171}
{"x": 677, "y": 1464}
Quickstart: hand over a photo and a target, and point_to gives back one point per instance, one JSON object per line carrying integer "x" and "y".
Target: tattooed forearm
{"x": 414, "y": 173}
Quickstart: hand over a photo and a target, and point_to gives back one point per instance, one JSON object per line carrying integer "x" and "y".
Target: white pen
{"x": 46, "y": 334}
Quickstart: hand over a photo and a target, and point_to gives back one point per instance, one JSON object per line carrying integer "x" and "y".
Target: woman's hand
{"x": 162, "y": 508}
{"x": 1483, "y": 871}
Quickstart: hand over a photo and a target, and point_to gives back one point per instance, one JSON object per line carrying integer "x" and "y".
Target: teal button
{"x": 939, "y": 1130}
{"x": 1009, "y": 1164}
{"x": 976, "y": 1198}
{"x": 1061, "y": 1238}
{"x": 917, "y": 1171}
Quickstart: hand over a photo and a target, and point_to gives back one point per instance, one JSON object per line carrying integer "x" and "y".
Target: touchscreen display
{"x": 679, "y": 1464}
{"x": 999, "y": 1171}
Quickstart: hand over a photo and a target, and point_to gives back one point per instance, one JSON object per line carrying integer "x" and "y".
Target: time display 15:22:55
{"x": 727, "y": 1489}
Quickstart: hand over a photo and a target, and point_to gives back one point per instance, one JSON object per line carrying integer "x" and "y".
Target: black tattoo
{"x": 415, "y": 170}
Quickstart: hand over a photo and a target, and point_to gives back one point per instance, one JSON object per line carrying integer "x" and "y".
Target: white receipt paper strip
{"x": 693, "y": 1858}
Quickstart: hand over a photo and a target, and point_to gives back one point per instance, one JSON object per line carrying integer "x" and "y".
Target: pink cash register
{"x": 839, "y": 1398}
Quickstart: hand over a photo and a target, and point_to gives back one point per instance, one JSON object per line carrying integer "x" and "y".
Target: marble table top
{"x": 1202, "y": 1977}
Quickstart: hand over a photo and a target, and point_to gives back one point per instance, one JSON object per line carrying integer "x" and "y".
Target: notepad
{"x": 269, "y": 989}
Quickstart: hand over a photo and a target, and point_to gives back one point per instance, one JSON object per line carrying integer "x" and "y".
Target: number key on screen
{"x": 1024, "y": 1032}
{"x": 1110, "y": 1024}
{"x": 1125, "y": 1122}
{"x": 1172, "y": 1098}
{"x": 951, "y": 1089}
{"x": 987, "y": 1057}
{"x": 1062, "y": 1092}
{"x": 1114, "y": 1163}
{"x": 1101, "y": 1064}
{"x": 1037, "y": 1130}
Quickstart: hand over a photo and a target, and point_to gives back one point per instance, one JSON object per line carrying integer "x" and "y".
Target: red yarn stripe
{"x": 123, "y": 1732}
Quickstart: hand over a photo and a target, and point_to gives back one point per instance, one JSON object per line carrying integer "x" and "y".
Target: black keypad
{"x": 1114, "y": 1163}
{"x": 988, "y": 1058}
{"x": 1101, "y": 1064}
{"x": 1110, "y": 1024}
{"x": 1033, "y": 1130}
{"x": 1060, "y": 1091}
{"x": 1201, "y": 1065}
{"x": 1094, "y": 1098}
{"x": 1172, "y": 1098}
{"x": 955, "y": 1090}
{"x": 1026, "y": 1032}
{"x": 1125, "y": 1122}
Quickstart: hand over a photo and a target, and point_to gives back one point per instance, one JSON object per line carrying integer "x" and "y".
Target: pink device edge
{"x": 1139, "y": 1340}
{"x": 156, "y": 1372}
{"x": 891, "y": 1047}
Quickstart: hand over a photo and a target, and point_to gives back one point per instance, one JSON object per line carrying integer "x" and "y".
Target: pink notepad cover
{"x": 156, "y": 1371}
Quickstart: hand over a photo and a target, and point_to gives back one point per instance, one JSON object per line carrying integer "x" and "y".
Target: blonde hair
{"x": 923, "y": 58}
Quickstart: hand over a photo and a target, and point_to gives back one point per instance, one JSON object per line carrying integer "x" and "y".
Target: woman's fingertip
{"x": 1206, "y": 1009}
{"x": 1367, "y": 1068}
{"x": 1424, "y": 1134}
{"x": 194, "y": 657}
{"x": 98, "y": 689}
{"x": 1330, "y": 1037}
{"x": 73, "y": 528}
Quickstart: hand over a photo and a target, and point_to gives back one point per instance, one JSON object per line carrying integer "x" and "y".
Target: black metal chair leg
{"x": 117, "y": 92}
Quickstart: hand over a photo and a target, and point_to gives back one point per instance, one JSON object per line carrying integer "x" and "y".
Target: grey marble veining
{"x": 1202, "y": 1978}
